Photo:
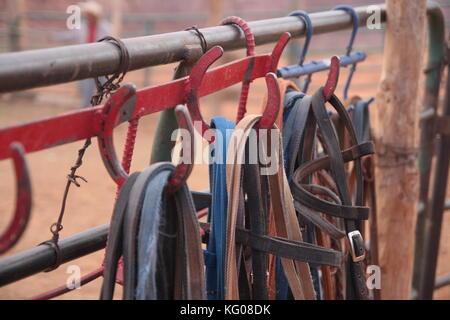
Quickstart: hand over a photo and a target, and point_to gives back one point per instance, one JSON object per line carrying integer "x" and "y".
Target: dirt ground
{"x": 92, "y": 204}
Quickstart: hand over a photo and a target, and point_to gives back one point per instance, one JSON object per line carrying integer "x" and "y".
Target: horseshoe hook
{"x": 22, "y": 212}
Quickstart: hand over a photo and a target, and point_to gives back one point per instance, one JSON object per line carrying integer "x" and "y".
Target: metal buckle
{"x": 350, "y": 236}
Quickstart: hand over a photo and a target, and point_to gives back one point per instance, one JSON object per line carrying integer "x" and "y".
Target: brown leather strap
{"x": 195, "y": 280}
{"x": 285, "y": 228}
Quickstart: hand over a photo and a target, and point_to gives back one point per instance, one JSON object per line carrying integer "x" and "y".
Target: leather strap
{"x": 157, "y": 235}
{"x": 130, "y": 231}
{"x": 277, "y": 282}
{"x": 285, "y": 228}
{"x": 161, "y": 244}
{"x": 361, "y": 120}
{"x": 334, "y": 162}
{"x": 257, "y": 214}
{"x": 114, "y": 248}
{"x": 195, "y": 279}
{"x": 296, "y": 111}
{"x": 290, "y": 249}
{"x": 307, "y": 121}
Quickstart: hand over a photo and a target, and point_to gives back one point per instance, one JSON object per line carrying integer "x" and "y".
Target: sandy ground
{"x": 91, "y": 205}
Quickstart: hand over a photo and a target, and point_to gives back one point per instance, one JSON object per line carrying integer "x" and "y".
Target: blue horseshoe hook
{"x": 309, "y": 32}
{"x": 355, "y": 19}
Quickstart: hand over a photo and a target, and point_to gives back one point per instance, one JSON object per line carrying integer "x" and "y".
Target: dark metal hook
{"x": 22, "y": 211}
{"x": 355, "y": 19}
{"x": 309, "y": 32}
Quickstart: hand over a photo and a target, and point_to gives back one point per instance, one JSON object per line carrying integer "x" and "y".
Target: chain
{"x": 104, "y": 90}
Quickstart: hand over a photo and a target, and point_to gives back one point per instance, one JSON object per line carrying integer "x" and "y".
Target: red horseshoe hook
{"x": 277, "y": 51}
{"x": 195, "y": 80}
{"x": 119, "y": 108}
{"x": 250, "y": 43}
{"x": 332, "y": 80}
{"x": 183, "y": 170}
{"x": 272, "y": 108}
{"x": 22, "y": 213}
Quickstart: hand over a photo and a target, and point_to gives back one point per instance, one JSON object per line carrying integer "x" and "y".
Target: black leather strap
{"x": 257, "y": 220}
{"x": 178, "y": 246}
{"x": 286, "y": 248}
{"x": 131, "y": 228}
{"x": 295, "y": 250}
{"x": 311, "y": 200}
{"x": 114, "y": 247}
{"x": 358, "y": 287}
{"x": 156, "y": 239}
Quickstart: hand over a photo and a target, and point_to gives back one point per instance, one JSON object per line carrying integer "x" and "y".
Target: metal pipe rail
{"x": 26, "y": 263}
{"x": 37, "y": 68}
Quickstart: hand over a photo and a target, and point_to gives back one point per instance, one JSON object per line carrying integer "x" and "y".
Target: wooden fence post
{"x": 396, "y": 133}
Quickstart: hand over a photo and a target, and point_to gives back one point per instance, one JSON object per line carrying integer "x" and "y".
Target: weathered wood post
{"x": 396, "y": 133}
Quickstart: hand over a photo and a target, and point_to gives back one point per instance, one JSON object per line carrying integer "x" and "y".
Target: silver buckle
{"x": 350, "y": 236}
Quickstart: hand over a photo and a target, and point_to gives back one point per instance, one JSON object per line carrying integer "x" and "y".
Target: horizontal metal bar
{"x": 84, "y": 123}
{"x": 294, "y": 71}
{"x": 36, "y": 68}
{"x": 427, "y": 114}
{"x": 420, "y": 207}
{"x": 141, "y": 17}
{"x": 32, "y": 261}
{"x": 442, "y": 281}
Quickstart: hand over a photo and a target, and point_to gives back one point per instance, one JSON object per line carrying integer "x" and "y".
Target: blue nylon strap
{"x": 215, "y": 253}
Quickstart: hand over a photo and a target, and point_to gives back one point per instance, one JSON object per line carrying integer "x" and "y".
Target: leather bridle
{"x": 309, "y": 198}
{"x": 158, "y": 235}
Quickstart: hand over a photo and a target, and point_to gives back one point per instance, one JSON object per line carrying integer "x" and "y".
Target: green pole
{"x": 436, "y": 54}
{"x": 162, "y": 144}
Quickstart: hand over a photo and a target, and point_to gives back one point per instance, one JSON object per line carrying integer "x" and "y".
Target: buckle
{"x": 354, "y": 246}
